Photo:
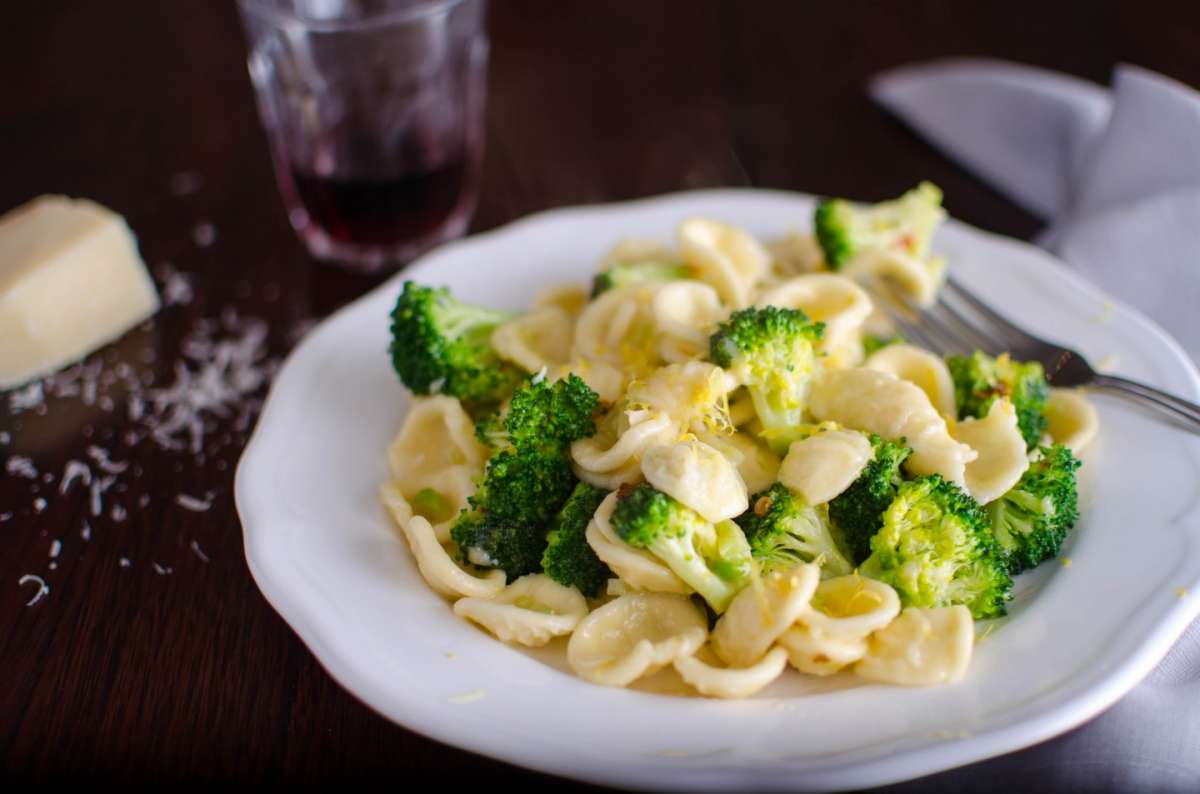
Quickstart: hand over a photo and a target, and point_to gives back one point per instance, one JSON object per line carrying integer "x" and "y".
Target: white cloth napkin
{"x": 1116, "y": 174}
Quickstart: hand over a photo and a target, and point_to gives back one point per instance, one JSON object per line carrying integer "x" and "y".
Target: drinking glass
{"x": 374, "y": 114}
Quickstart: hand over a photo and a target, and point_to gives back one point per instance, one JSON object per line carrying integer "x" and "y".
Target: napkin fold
{"x": 1116, "y": 175}
{"x": 1114, "y": 172}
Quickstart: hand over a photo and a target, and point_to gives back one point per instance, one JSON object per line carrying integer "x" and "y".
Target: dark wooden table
{"x": 172, "y": 666}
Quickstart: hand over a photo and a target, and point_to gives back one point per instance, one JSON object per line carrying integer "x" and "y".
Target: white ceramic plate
{"x": 329, "y": 560}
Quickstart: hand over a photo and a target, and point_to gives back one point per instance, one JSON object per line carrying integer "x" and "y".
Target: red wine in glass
{"x": 384, "y": 210}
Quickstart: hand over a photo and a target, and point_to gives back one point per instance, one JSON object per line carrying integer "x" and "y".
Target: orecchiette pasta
{"x": 918, "y": 280}
{"x": 603, "y": 378}
{"x": 1001, "y": 447}
{"x": 438, "y": 496}
{"x": 879, "y": 402}
{"x": 834, "y": 300}
{"x": 761, "y": 612}
{"x": 694, "y": 394}
{"x": 635, "y": 567}
{"x": 685, "y": 313}
{"x": 539, "y": 339}
{"x": 613, "y": 455}
{"x": 920, "y": 367}
{"x": 832, "y": 632}
{"x": 726, "y": 257}
{"x": 698, "y": 476}
{"x": 754, "y": 460}
{"x": 1072, "y": 419}
{"x": 731, "y": 682}
{"x": 794, "y": 254}
{"x": 639, "y": 249}
{"x": 435, "y": 565}
{"x": 635, "y": 635}
{"x": 815, "y": 653}
{"x": 618, "y": 328}
{"x": 436, "y": 433}
{"x": 922, "y": 647}
{"x": 571, "y": 298}
{"x": 530, "y": 611}
{"x": 823, "y": 465}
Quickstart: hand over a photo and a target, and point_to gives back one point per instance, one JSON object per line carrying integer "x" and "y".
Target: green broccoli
{"x": 440, "y": 345}
{"x": 632, "y": 274}
{"x": 435, "y": 507}
{"x": 874, "y": 342}
{"x": 905, "y": 224}
{"x": 858, "y": 510}
{"x": 979, "y": 380}
{"x": 568, "y": 558}
{"x": 783, "y": 531}
{"x": 526, "y": 482}
{"x": 936, "y": 549}
{"x": 771, "y": 351}
{"x": 1031, "y": 521}
{"x": 714, "y": 560}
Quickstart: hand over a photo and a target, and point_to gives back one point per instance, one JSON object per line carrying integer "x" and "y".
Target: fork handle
{"x": 1181, "y": 409}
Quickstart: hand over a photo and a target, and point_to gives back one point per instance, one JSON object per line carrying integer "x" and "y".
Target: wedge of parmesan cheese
{"x": 71, "y": 281}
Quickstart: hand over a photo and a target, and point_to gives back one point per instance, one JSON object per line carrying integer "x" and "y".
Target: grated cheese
{"x": 43, "y": 588}
{"x": 192, "y": 503}
{"x": 162, "y": 570}
{"x": 466, "y": 697}
{"x": 86, "y": 532}
{"x": 74, "y": 470}
{"x": 20, "y": 466}
{"x": 55, "y": 548}
{"x": 199, "y": 552}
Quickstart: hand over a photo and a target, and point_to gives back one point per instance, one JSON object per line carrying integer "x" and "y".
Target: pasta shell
{"x": 685, "y": 314}
{"x": 731, "y": 682}
{"x": 819, "y": 654}
{"x": 453, "y": 484}
{"x": 761, "y": 612}
{"x": 794, "y": 254}
{"x": 921, "y": 368}
{"x": 922, "y": 647}
{"x": 530, "y": 611}
{"x": 699, "y": 477}
{"x": 613, "y": 455}
{"x": 637, "y": 568}
{"x": 754, "y": 460}
{"x": 536, "y": 340}
{"x": 1002, "y": 459}
{"x": 436, "y": 566}
{"x": 603, "y": 378}
{"x": 724, "y": 256}
{"x": 827, "y": 298}
{"x": 639, "y": 249}
{"x": 918, "y": 280}
{"x": 436, "y": 433}
{"x": 823, "y": 465}
{"x": 694, "y": 394}
{"x": 1072, "y": 419}
{"x": 851, "y": 607}
{"x": 571, "y": 298}
{"x": 635, "y": 635}
{"x": 618, "y": 328}
{"x": 879, "y": 402}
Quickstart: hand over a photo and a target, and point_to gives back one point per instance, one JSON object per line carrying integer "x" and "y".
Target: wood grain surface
{"x": 130, "y": 674}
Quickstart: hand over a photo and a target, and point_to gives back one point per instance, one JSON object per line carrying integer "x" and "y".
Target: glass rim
{"x": 268, "y": 10}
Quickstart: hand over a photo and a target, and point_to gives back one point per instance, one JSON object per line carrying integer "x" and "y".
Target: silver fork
{"x": 959, "y": 322}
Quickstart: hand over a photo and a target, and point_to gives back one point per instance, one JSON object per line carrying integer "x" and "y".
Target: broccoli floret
{"x": 771, "y": 351}
{"x": 526, "y": 482}
{"x": 783, "y": 532}
{"x": 858, "y": 511}
{"x": 491, "y": 543}
{"x": 936, "y": 549}
{"x": 1031, "y": 521}
{"x": 435, "y": 507}
{"x": 714, "y": 560}
{"x": 874, "y": 342}
{"x": 631, "y": 274}
{"x": 979, "y": 380}
{"x": 440, "y": 345}
{"x": 905, "y": 224}
{"x": 568, "y": 558}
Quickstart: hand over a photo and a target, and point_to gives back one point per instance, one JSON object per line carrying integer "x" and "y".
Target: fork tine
{"x": 1010, "y": 335}
{"x": 970, "y": 333}
{"x": 905, "y": 316}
